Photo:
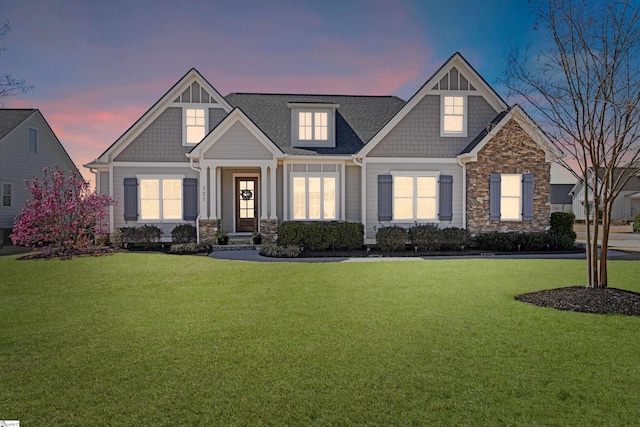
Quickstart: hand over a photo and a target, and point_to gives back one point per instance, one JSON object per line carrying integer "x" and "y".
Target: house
{"x": 27, "y": 146}
{"x": 561, "y": 200}
{"x": 455, "y": 155}
{"x": 627, "y": 204}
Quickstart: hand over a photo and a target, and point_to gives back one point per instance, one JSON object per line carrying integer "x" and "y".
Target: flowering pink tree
{"x": 63, "y": 213}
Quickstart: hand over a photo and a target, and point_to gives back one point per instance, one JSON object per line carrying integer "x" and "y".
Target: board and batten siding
{"x": 122, "y": 172}
{"x": 238, "y": 143}
{"x": 418, "y": 133}
{"x": 17, "y": 164}
{"x": 375, "y": 169}
{"x": 104, "y": 182}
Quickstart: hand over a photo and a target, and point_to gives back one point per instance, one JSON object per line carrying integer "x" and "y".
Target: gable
{"x": 237, "y": 143}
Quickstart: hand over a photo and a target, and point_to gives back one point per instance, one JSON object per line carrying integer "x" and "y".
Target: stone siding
{"x": 510, "y": 151}
{"x": 208, "y": 230}
{"x": 269, "y": 230}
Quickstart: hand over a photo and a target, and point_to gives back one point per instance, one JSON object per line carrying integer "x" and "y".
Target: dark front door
{"x": 246, "y": 204}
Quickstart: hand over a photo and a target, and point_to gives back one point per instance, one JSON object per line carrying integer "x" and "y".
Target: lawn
{"x": 151, "y": 339}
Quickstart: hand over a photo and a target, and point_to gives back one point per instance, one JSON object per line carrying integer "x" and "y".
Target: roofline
{"x": 57, "y": 139}
{"x": 313, "y": 94}
{"x": 33, "y": 110}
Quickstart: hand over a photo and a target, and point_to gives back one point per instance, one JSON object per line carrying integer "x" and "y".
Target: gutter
{"x": 363, "y": 193}
{"x": 200, "y": 213}
{"x": 464, "y": 191}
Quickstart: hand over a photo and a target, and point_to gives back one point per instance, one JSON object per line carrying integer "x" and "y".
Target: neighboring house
{"x": 27, "y": 146}
{"x": 455, "y": 155}
{"x": 561, "y": 200}
{"x": 626, "y": 205}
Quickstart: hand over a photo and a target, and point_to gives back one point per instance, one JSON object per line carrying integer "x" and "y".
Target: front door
{"x": 246, "y": 204}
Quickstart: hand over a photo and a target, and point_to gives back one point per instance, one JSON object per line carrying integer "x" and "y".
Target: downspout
{"x": 464, "y": 191}
{"x": 200, "y": 213}
{"x": 363, "y": 194}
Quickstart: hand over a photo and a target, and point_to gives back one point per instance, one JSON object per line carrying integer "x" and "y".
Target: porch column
{"x": 213, "y": 192}
{"x": 272, "y": 181}
{"x": 202, "y": 193}
{"x": 263, "y": 192}
{"x": 218, "y": 198}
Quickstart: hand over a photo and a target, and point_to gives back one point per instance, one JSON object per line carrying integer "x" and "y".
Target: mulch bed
{"x": 586, "y": 300}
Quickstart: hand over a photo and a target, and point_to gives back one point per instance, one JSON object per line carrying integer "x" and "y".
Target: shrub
{"x": 562, "y": 223}
{"x": 560, "y": 242}
{"x": 531, "y": 241}
{"x": 426, "y": 237}
{"x": 454, "y": 238}
{"x": 320, "y": 236}
{"x": 496, "y": 241}
{"x": 183, "y": 233}
{"x": 391, "y": 239}
{"x": 636, "y": 223}
{"x": 147, "y": 236}
{"x": 278, "y": 251}
{"x": 189, "y": 248}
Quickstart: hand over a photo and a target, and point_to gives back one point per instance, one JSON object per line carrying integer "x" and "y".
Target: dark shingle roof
{"x": 10, "y": 118}
{"x": 357, "y": 119}
{"x": 484, "y": 132}
{"x": 560, "y": 194}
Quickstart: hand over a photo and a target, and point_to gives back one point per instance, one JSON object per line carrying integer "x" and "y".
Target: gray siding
{"x": 120, "y": 173}
{"x": 18, "y": 165}
{"x": 215, "y": 117}
{"x": 418, "y": 133}
{"x": 375, "y": 169}
{"x": 104, "y": 183}
{"x": 238, "y": 143}
{"x": 352, "y": 194}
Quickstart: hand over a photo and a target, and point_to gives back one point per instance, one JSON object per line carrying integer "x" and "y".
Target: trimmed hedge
{"x": 322, "y": 236}
{"x": 426, "y": 237}
{"x": 183, "y": 233}
{"x": 392, "y": 238}
{"x": 277, "y": 251}
{"x": 512, "y": 242}
{"x": 147, "y": 236}
{"x": 562, "y": 223}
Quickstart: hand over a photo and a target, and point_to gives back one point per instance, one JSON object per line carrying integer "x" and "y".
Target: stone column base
{"x": 208, "y": 230}
{"x": 269, "y": 230}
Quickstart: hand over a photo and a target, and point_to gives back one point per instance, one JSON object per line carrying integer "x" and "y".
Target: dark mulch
{"x": 586, "y": 300}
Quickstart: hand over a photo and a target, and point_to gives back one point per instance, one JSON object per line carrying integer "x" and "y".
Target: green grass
{"x": 150, "y": 339}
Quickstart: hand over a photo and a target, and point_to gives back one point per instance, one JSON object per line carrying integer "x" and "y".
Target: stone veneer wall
{"x": 269, "y": 230}
{"x": 510, "y": 151}
{"x": 208, "y": 230}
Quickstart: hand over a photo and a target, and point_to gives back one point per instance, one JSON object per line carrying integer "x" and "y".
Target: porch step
{"x": 233, "y": 247}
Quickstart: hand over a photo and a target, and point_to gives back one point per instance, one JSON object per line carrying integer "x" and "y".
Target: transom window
{"x": 161, "y": 199}
{"x": 33, "y": 140}
{"x": 510, "y": 197}
{"x": 7, "y": 194}
{"x": 414, "y": 197}
{"x": 195, "y": 125}
{"x": 314, "y": 197}
{"x": 453, "y": 117}
{"x": 313, "y": 126}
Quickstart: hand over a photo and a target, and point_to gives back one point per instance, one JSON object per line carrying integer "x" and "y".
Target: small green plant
{"x": 392, "y": 238}
{"x": 636, "y": 223}
{"x": 256, "y": 238}
{"x": 278, "y": 251}
{"x": 221, "y": 237}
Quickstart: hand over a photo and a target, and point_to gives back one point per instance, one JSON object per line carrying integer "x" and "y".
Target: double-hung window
{"x": 454, "y": 121}
{"x": 7, "y": 194}
{"x": 511, "y": 197}
{"x": 161, "y": 199}
{"x": 415, "y": 197}
{"x": 195, "y": 125}
{"x": 314, "y": 196}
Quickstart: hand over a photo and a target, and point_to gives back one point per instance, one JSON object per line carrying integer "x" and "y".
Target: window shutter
{"x": 130, "y": 199}
{"x": 494, "y": 197}
{"x": 190, "y": 199}
{"x": 446, "y": 197}
{"x": 385, "y": 197}
{"x": 527, "y": 196}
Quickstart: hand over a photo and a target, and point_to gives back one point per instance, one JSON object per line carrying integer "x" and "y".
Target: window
{"x": 7, "y": 194}
{"x": 33, "y": 140}
{"x": 314, "y": 197}
{"x": 453, "y": 116}
{"x": 313, "y": 126}
{"x": 195, "y": 125}
{"x": 510, "y": 197}
{"x": 414, "y": 197}
{"x": 161, "y": 199}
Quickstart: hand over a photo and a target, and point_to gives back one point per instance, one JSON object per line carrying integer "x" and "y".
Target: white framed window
{"x": 454, "y": 116}
{"x": 314, "y": 196}
{"x": 313, "y": 126}
{"x": 415, "y": 196}
{"x": 160, "y": 198}
{"x": 7, "y": 194}
{"x": 195, "y": 125}
{"x": 511, "y": 197}
{"x": 33, "y": 140}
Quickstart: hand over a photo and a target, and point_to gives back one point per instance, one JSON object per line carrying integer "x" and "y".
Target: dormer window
{"x": 313, "y": 125}
{"x": 454, "y": 116}
{"x": 195, "y": 125}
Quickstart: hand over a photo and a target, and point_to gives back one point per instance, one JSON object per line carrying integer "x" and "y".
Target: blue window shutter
{"x": 130, "y": 199}
{"x": 527, "y": 196}
{"x": 494, "y": 197}
{"x": 385, "y": 197}
{"x": 190, "y": 199}
{"x": 446, "y": 197}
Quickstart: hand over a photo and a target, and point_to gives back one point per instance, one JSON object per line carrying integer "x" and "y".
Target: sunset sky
{"x": 97, "y": 66}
